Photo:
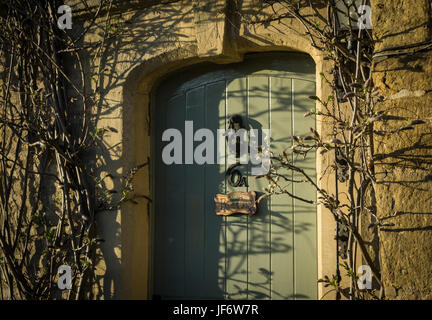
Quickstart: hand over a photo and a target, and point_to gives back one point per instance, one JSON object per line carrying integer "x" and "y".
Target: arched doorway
{"x": 199, "y": 255}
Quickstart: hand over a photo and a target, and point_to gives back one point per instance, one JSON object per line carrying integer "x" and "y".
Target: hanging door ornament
{"x": 235, "y": 202}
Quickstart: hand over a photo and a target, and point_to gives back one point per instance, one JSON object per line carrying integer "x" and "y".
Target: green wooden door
{"x": 199, "y": 255}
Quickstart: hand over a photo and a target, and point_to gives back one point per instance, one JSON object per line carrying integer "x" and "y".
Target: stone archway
{"x": 136, "y": 100}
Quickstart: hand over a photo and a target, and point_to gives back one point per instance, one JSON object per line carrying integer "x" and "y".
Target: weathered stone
{"x": 404, "y": 190}
{"x": 391, "y": 292}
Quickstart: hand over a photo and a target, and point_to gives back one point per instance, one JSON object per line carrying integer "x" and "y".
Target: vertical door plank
{"x": 214, "y": 243}
{"x": 282, "y": 237}
{"x": 259, "y": 273}
{"x": 174, "y": 215}
{"x": 194, "y": 202}
{"x": 305, "y": 214}
{"x": 236, "y": 225}
{"x": 160, "y": 228}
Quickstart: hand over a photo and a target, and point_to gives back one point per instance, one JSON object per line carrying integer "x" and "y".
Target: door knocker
{"x": 235, "y": 123}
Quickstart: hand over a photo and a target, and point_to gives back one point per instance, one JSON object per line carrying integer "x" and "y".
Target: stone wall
{"x": 404, "y": 194}
{"x": 175, "y": 34}
{"x": 160, "y": 37}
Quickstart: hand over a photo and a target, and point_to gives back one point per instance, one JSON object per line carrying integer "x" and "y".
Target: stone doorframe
{"x": 216, "y": 43}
